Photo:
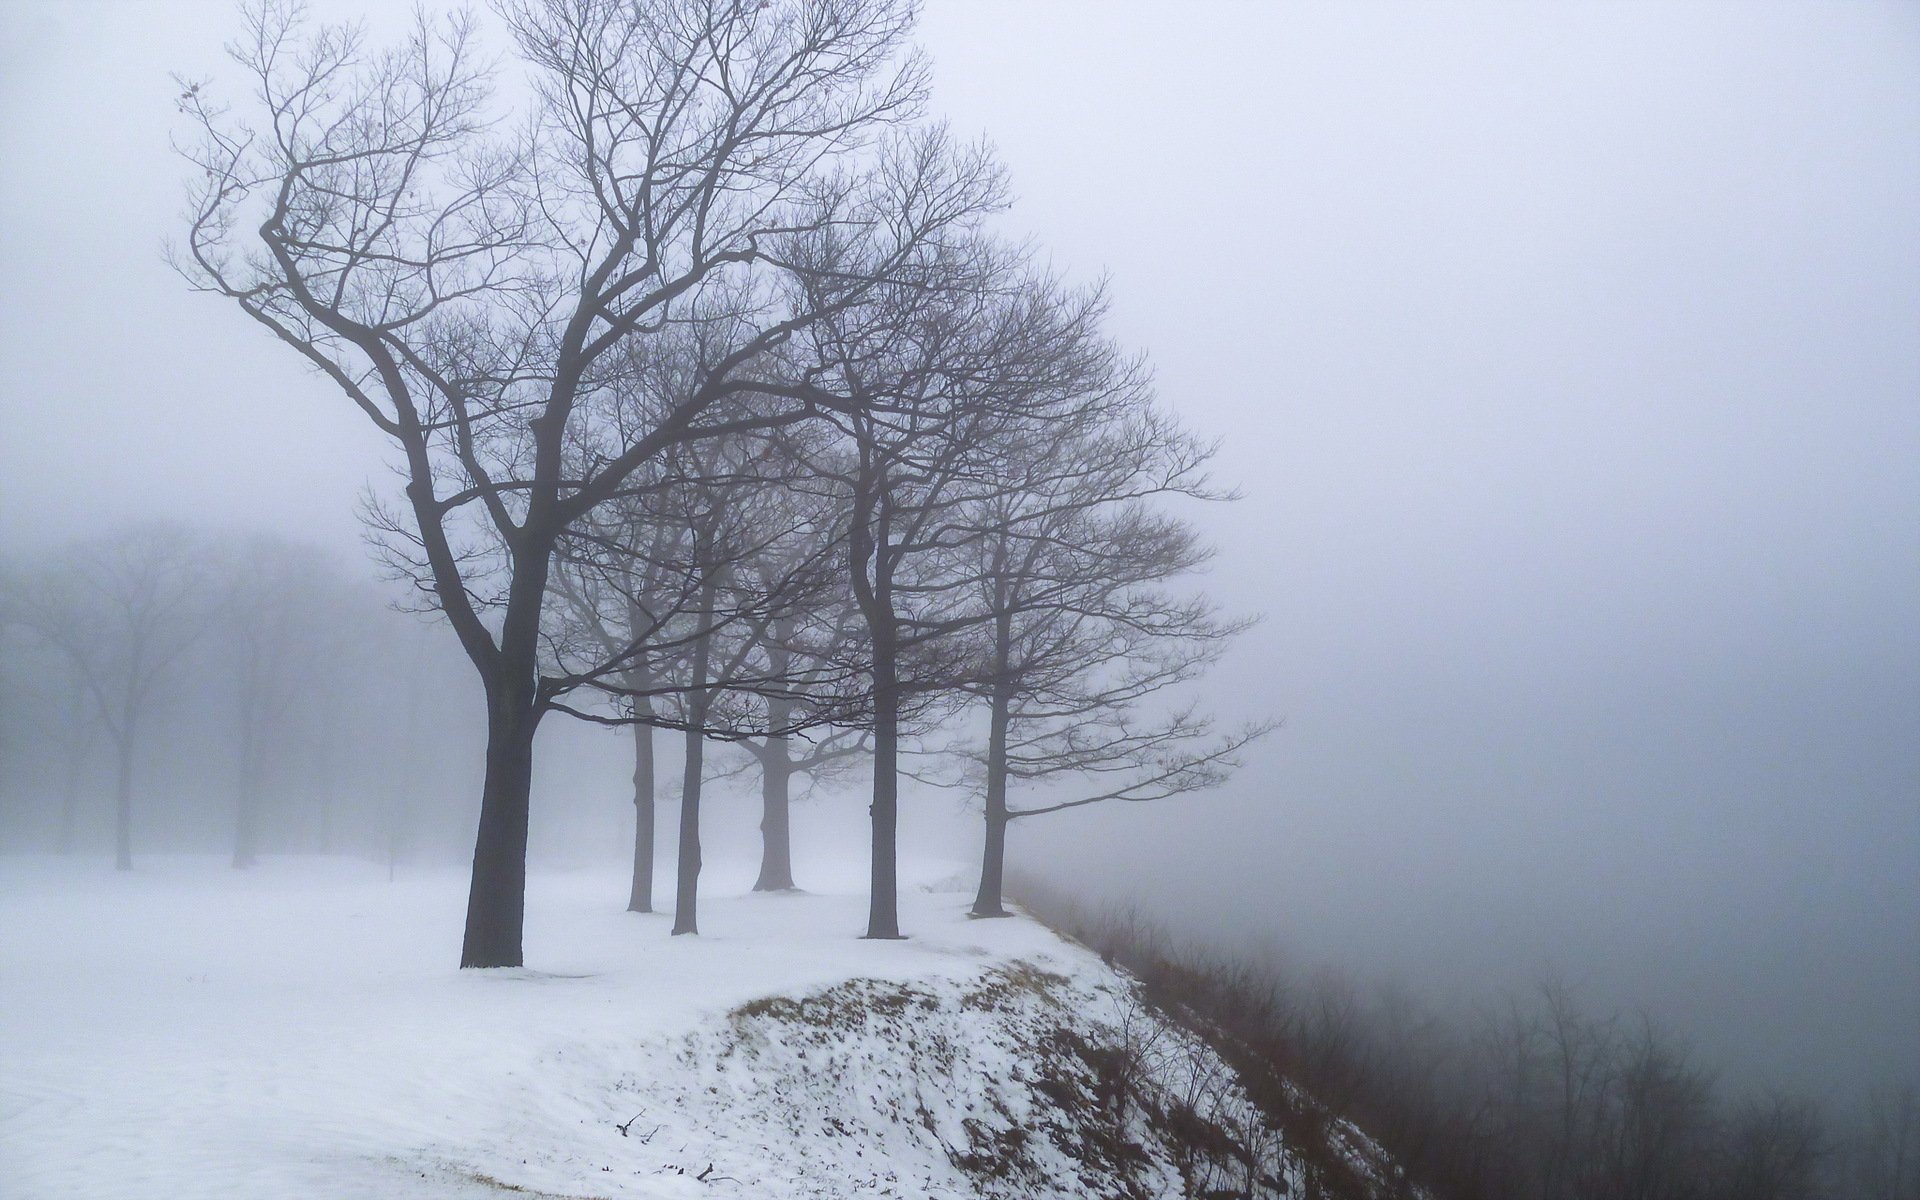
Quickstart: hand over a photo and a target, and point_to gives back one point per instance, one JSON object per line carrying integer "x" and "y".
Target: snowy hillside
{"x": 299, "y": 1030}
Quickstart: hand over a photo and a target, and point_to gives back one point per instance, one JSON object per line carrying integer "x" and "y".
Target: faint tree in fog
{"x": 1775, "y": 1149}
{"x": 810, "y": 649}
{"x": 77, "y": 735}
{"x": 122, "y": 609}
{"x": 1572, "y": 1106}
{"x": 36, "y": 683}
{"x": 780, "y": 758}
{"x": 20, "y": 696}
{"x": 616, "y": 595}
{"x": 810, "y": 727}
{"x": 721, "y": 540}
{"x": 471, "y": 281}
{"x": 1885, "y": 1156}
{"x": 278, "y": 604}
{"x": 1544, "y": 1100}
{"x": 1659, "y": 1129}
{"x": 397, "y": 812}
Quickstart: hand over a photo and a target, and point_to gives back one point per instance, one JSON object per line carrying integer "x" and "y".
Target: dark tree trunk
{"x": 883, "y": 906}
{"x": 776, "y": 782}
{"x": 123, "y": 803}
{"x": 640, "y": 897}
{"x": 497, "y": 897}
{"x": 686, "y": 895}
{"x": 987, "y": 902}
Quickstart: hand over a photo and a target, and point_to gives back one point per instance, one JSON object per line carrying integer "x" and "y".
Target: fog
{"x": 1567, "y": 358}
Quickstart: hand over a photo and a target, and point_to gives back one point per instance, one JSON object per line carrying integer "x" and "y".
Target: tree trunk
{"x": 497, "y": 897}
{"x": 883, "y": 905}
{"x": 986, "y": 903}
{"x": 776, "y": 780}
{"x": 640, "y": 897}
{"x": 869, "y": 548}
{"x": 686, "y": 897}
{"x": 776, "y": 846}
{"x": 123, "y": 801}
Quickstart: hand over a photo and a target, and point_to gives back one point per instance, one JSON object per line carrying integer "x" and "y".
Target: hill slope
{"x": 189, "y": 1031}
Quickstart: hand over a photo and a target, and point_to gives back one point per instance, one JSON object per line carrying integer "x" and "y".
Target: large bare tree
{"x": 473, "y": 277}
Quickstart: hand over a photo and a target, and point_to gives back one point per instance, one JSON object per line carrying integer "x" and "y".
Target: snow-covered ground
{"x": 299, "y": 1030}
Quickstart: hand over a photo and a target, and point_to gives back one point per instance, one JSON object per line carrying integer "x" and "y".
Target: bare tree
{"x": 472, "y": 283}
{"x": 1070, "y": 568}
{"x": 993, "y": 414}
{"x": 1658, "y": 1129}
{"x": 1776, "y": 1148}
{"x": 712, "y": 540}
{"x": 758, "y": 561}
{"x": 814, "y": 732}
{"x": 1885, "y": 1156}
{"x": 678, "y": 589}
{"x": 39, "y": 690}
{"x": 942, "y": 376}
{"x": 809, "y": 650}
{"x": 783, "y": 757}
{"x": 276, "y": 602}
{"x": 616, "y": 595}
{"x": 122, "y": 609}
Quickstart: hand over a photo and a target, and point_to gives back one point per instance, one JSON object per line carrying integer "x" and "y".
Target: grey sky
{"x": 1568, "y": 356}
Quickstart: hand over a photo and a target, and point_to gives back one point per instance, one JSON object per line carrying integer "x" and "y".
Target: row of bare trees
{"x": 251, "y": 667}
{"x": 720, "y": 408}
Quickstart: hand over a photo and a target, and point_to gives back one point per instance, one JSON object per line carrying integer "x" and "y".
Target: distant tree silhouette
{"x": 275, "y": 604}
{"x": 122, "y": 609}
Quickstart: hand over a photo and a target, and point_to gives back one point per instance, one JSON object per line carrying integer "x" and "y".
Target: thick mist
{"x": 1568, "y": 363}
{"x": 1567, "y": 359}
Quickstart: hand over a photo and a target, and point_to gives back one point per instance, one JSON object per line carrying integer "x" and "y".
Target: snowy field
{"x": 300, "y": 1030}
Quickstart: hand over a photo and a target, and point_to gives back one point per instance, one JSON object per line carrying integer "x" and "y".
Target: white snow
{"x": 300, "y": 1030}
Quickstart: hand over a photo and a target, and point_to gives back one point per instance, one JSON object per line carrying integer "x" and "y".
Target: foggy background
{"x": 1568, "y": 358}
